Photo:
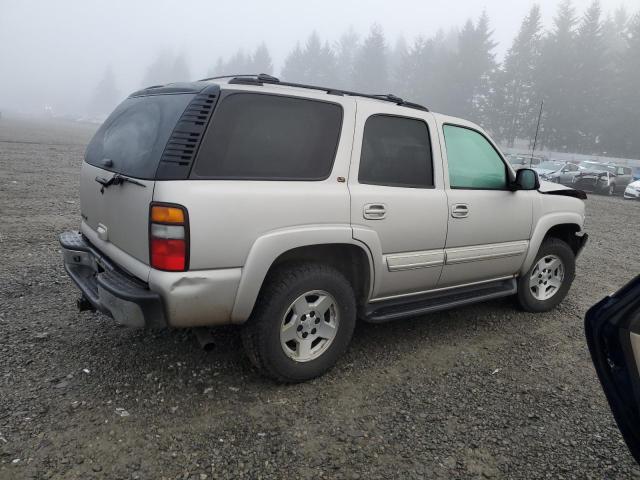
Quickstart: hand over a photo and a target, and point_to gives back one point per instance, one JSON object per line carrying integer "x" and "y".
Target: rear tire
{"x": 302, "y": 323}
{"x": 548, "y": 280}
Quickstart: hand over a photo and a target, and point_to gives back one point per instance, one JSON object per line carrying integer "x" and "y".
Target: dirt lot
{"x": 483, "y": 391}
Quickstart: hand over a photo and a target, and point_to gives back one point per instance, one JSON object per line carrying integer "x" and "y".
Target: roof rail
{"x": 263, "y": 78}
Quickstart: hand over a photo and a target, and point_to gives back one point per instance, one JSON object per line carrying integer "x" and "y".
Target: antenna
{"x": 535, "y": 139}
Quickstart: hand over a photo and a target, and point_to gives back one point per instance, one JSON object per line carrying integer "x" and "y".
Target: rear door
{"x": 612, "y": 328}
{"x": 117, "y": 178}
{"x": 398, "y": 205}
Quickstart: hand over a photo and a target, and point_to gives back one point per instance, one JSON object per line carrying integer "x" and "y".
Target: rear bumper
{"x": 108, "y": 289}
{"x": 176, "y": 299}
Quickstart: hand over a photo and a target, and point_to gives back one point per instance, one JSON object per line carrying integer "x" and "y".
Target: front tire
{"x": 302, "y": 323}
{"x": 548, "y": 280}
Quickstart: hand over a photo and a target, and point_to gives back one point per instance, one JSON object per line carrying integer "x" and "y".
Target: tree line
{"x": 585, "y": 67}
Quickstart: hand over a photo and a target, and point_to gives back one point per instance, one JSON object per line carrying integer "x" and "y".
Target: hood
{"x": 544, "y": 171}
{"x": 635, "y": 184}
{"x": 546, "y": 187}
{"x": 551, "y": 188}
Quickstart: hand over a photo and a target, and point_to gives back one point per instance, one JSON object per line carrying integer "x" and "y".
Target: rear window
{"x": 270, "y": 137}
{"x": 133, "y": 137}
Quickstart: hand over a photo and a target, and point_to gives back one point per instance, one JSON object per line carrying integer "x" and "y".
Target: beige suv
{"x": 295, "y": 209}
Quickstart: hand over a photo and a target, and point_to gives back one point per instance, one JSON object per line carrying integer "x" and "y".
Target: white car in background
{"x": 632, "y": 192}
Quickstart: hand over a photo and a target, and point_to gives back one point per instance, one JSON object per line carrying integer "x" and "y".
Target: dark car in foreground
{"x": 612, "y": 328}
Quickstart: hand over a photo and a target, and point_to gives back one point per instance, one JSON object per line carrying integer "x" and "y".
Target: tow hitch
{"x": 84, "y": 305}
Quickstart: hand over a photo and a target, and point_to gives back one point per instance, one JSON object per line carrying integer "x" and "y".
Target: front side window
{"x": 473, "y": 162}
{"x": 256, "y": 136}
{"x": 396, "y": 152}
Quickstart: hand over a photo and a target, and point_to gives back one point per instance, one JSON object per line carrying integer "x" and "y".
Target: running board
{"x": 397, "y": 308}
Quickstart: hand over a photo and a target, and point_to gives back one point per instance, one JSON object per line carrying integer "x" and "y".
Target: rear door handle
{"x": 460, "y": 210}
{"x": 374, "y": 211}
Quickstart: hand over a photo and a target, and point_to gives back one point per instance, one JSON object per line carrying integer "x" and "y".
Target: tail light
{"x": 169, "y": 237}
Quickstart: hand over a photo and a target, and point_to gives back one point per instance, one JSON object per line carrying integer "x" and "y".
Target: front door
{"x": 398, "y": 203}
{"x": 489, "y": 226}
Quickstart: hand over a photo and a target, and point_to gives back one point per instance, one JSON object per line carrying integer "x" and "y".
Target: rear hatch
{"x": 120, "y": 169}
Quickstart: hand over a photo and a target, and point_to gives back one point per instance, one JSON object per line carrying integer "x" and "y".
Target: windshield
{"x": 133, "y": 137}
{"x": 550, "y": 165}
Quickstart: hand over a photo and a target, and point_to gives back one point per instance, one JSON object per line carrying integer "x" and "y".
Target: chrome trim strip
{"x": 380, "y": 299}
{"x": 414, "y": 260}
{"x": 485, "y": 252}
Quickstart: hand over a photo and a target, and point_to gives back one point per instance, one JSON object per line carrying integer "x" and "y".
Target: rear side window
{"x": 473, "y": 162}
{"x": 396, "y": 151}
{"x": 270, "y": 137}
{"x": 133, "y": 137}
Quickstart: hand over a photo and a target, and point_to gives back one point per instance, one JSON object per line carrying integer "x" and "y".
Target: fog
{"x": 57, "y": 55}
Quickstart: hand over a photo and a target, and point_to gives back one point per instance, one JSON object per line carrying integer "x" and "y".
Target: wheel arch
{"x": 564, "y": 226}
{"x": 333, "y": 245}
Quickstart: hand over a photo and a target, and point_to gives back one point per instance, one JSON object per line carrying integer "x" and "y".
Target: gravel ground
{"x": 482, "y": 391}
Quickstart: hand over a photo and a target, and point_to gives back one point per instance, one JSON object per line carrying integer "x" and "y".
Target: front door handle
{"x": 460, "y": 210}
{"x": 374, "y": 211}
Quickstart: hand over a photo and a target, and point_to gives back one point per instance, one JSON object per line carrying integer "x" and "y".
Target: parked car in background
{"x": 519, "y": 161}
{"x": 547, "y": 168}
{"x": 565, "y": 175}
{"x": 632, "y": 192}
{"x": 603, "y": 178}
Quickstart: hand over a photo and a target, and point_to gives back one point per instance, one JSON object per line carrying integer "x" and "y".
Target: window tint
{"x": 134, "y": 136}
{"x": 396, "y": 151}
{"x": 269, "y": 137}
{"x": 473, "y": 162}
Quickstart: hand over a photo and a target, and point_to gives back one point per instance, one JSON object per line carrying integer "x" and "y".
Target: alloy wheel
{"x": 309, "y": 326}
{"x": 546, "y": 277}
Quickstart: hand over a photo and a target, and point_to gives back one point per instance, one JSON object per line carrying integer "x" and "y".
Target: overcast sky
{"x": 55, "y": 51}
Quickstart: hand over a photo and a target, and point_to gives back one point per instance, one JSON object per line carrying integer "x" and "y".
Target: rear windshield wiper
{"x": 116, "y": 179}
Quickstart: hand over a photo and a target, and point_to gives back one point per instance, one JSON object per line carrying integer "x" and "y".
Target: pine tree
{"x": 472, "y": 69}
{"x": 346, "y": 48}
{"x": 166, "y": 68}
{"x": 628, "y": 118}
{"x": 261, "y": 60}
{"x": 180, "y": 70}
{"x": 591, "y": 83}
{"x": 396, "y": 59}
{"x": 238, "y": 64}
{"x": 370, "y": 73}
{"x": 315, "y": 64}
{"x": 293, "y": 69}
{"x": 516, "y": 98}
{"x": 557, "y": 79}
{"x": 106, "y": 95}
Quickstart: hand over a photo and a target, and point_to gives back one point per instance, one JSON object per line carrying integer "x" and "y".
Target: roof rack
{"x": 263, "y": 78}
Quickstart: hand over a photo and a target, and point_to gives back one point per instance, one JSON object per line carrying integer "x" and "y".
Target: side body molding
{"x": 270, "y": 246}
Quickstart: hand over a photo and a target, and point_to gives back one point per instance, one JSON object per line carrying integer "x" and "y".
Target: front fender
{"x": 267, "y": 248}
{"x": 544, "y": 224}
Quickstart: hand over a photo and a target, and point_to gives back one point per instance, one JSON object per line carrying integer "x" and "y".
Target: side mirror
{"x": 526, "y": 179}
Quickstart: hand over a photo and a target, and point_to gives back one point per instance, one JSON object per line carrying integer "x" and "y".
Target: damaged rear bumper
{"x": 107, "y": 288}
{"x": 177, "y": 299}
